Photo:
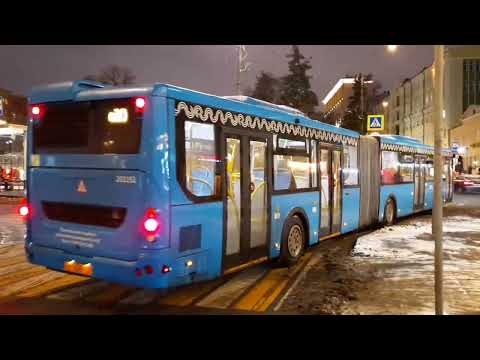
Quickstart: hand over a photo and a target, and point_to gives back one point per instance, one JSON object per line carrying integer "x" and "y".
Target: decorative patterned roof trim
{"x": 246, "y": 121}
{"x": 405, "y": 148}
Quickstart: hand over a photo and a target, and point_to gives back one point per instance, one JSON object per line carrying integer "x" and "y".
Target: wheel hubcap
{"x": 295, "y": 240}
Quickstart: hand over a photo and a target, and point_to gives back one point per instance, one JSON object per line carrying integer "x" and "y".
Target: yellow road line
{"x": 56, "y": 285}
{"x": 188, "y": 295}
{"x": 330, "y": 236}
{"x": 226, "y": 295}
{"x": 12, "y": 250}
{"x": 262, "y": 295}
{"x": 27, "y": 283}
{"x": 13, "y": 261}
{"x": 20, "y": 275}
{"x": 244, "y": 266}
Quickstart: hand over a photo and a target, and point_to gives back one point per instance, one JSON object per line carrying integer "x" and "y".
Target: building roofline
{"x": 337, "y": 87}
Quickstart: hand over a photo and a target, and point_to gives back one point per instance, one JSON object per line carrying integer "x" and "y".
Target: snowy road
{"x": 390, "y": 271}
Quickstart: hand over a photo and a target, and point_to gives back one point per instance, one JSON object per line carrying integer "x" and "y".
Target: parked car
{"x": 464, "y": 183}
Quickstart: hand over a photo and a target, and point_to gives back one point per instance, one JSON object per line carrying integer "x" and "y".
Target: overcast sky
{"x": 204, "y": 67}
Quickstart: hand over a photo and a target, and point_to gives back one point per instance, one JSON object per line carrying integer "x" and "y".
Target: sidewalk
{"x": 391, "y": 270}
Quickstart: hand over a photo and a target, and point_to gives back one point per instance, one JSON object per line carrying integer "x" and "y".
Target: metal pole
{"x": 437, "y": 229}
{"x": 237, "y": 83}
{"x": 362, "y": 110}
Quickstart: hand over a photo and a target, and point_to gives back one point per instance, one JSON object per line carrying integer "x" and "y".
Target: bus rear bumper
{"x": 132, "y": 273}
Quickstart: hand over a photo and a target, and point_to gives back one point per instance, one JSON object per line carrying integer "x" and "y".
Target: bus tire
{"x": 390, "y": 213}
{"x": 293, "y": 241}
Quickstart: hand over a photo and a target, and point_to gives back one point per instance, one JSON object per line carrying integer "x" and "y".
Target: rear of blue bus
{"x": 97, "y": 205}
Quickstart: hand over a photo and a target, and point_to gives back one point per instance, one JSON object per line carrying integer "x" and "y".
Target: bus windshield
{"x": 90, "y": 127}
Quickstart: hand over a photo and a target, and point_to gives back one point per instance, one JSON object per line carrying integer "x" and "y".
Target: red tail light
{"x": 37, "y": 111}
{"x": 151, "y": 224}
{"x": 166, "y": 269}
{"x": 140, "y": 103}
{"x": 24, "y": 209}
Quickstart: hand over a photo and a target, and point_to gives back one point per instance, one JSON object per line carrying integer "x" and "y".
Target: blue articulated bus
{"x": 161, "y": 186}
{"x": 397, "y": 178}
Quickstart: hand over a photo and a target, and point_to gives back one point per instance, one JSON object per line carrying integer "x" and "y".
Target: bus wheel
{"x": 389, "y": 212}
{"x": 293, "y": 241}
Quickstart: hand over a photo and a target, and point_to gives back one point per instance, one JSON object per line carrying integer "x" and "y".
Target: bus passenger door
{"x": 447, "y": 175}
{"x": 330, "y": 191}
{"x": 419, "y": 181}
{"x": 246, "y": 198}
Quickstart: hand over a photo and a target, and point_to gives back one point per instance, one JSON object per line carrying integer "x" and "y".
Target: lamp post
{"x": 437, "y": 226}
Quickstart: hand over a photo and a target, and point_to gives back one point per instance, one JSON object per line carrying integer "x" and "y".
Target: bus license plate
{"x": 77, "y": 268}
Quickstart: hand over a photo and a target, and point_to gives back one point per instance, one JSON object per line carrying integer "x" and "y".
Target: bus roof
{"x": 403, "y": 140}
{"x": 83, "y": 90}
{"x": 411, "y": 142}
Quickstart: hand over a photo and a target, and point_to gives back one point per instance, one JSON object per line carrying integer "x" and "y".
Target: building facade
{"x": 13, "y": 127}
{"x": 465, "y": 138}
{"x": 336, "y": 101}
{"x": 410, "y": 106}
{"x": 338, "y": 98}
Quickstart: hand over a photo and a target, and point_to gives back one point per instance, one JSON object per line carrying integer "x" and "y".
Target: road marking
{"x": 305, "y": 270}
{"x": 263, "y": 294}
{"x": 140, "y": 297}
{"x": 226, "y": 294}
{"x": 26, "y": 283}
{"x": 187, "y": 295}
{"x": 15, "y": 268}
{"x": 50, "y": 287}
{"x": 113, "y": 294}
{"x": 13, "y": 261}
{"x": 20, "y": 275}
{"x": 11, "y": 250}
{"x": 80, "y": 292}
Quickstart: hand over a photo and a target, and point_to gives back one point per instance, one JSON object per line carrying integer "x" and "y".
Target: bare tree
{"x": 114, "y": 75}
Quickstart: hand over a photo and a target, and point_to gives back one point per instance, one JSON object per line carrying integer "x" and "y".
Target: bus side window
{"x": 390, "y": 168}
{"x": 350, "y": 167}
{"x": 201, "y": 159}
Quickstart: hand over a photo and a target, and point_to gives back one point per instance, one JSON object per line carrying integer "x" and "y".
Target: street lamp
{"x": 385, "y": 104}
{"x": 392, "y": 48}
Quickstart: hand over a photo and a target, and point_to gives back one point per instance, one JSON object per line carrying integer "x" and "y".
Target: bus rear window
{"x": 97, "y": 127}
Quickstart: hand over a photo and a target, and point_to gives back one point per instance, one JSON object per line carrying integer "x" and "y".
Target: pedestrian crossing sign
{"x": 375, "y": 123}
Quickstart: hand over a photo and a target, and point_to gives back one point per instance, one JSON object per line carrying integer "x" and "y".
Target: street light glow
{"x": 385, "y": 104}
{"x": 392, "y": 48}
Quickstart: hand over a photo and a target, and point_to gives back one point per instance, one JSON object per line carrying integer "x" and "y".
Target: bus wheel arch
{"x": 296, "y": 220}
{"x": 390, "y": 211}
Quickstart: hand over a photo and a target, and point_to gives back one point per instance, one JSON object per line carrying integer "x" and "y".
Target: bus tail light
{"x": 151, "y": 224}
{"x": 37, "y": 111}
{"x": 24, "y": 209}
{"x": 140, "y": 103}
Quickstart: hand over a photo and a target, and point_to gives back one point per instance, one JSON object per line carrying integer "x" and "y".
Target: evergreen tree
{"x": 372, "y": 97}
{"x": 266, "y": 87}
{"x": 296, "y": 91}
